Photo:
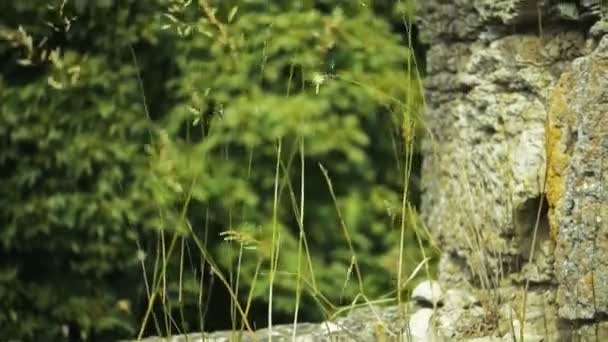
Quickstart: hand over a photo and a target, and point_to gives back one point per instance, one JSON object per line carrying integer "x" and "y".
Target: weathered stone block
{"x": 515, "y": 175}
{"x": 577, "y": 186}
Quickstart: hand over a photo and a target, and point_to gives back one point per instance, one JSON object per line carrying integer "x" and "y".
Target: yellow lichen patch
{"x": 380, "y": 332}
{"x": 524, "y": 48}
{"x": 559, "y": 120}
{"x": 586, "y": 286}
{"x": 530, "y": 49}
{"x": 598, "y": 71}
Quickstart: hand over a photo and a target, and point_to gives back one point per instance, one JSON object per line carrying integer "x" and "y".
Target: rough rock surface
{"x": 515, "y": 179}
{"x": 577, "y": 186}
{"x": 365, "y": 324}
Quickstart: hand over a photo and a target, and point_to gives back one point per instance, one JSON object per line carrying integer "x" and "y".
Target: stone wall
{"x": 370, "y": 323}
{"x": 515, "y": 180}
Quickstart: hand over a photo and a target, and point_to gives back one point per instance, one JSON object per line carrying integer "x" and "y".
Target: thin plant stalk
{"x": 300, "y": 242}
{"x": 344, "y": 228}
{"x": 274, "y": 253}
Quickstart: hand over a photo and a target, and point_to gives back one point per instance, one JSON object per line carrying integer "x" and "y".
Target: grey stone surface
{"x": 515, "y": 173}
{"x": 371, "y": 323}
{"x": 484, "y": 175}
{"x": 578, "y": 184}
{"x": 470, "y": 20}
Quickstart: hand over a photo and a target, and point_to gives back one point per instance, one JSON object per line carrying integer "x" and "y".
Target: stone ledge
{"x": 364, "y": 324}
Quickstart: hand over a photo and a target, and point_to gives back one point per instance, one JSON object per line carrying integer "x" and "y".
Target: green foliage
{"x": 74, "y": 177}
{"x": 101, "y": 152}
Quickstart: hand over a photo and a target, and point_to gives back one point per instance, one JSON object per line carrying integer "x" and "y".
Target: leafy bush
{"x": 130, "y": 112}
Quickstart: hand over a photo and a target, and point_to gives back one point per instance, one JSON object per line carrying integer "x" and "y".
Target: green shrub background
{"x": 126, "y": 123}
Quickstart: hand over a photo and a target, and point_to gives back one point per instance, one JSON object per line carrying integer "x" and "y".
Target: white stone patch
{"x": 528, "y": 161}
{"x": 419, "y": 325}
{"x": 428, "y": 292}
{"x": 527, "y": 337}
{"x": 331, "y": 328}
